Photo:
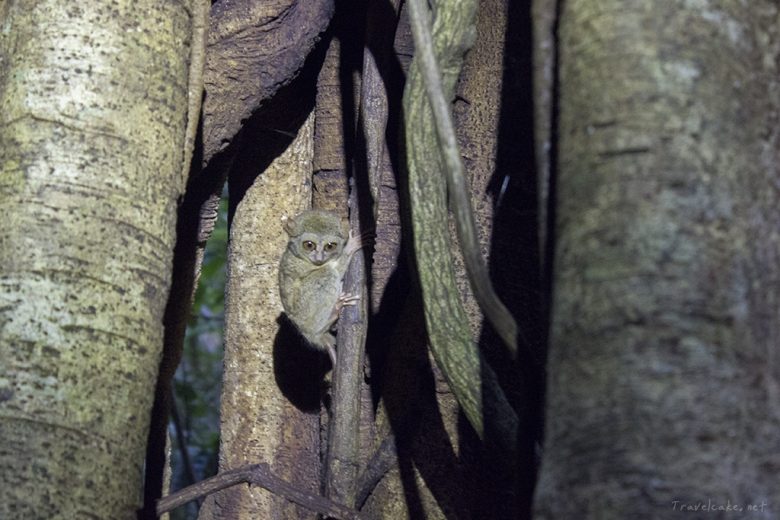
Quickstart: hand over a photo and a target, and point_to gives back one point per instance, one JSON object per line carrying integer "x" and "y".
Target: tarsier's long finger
{"x": 356, "y": 242}
{"x": 343, "y": 300}
{"x": 367, "y": 237}
{"x": 348, "y": 299}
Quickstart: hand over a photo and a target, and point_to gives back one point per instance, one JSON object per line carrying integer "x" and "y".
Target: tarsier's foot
{"x": 343, "y": 301}
{"x": 366, "y": 238}
{"x": 328, "y": 341}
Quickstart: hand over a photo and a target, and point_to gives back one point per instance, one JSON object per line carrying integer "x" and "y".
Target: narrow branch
{"x": 200, "y": 22}
{"x": 181, "y": 441}
{"x": 379, "y": 36}
{"x": 495, "y": 311}
{"x": 343, "y": 457}
{"x": 256, "y": 475}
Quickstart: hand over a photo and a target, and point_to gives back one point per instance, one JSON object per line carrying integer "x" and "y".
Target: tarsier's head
{"x": 317, "y": 236}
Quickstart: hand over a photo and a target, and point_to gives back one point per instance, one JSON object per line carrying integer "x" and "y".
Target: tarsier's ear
{"x": 289, "y": 225}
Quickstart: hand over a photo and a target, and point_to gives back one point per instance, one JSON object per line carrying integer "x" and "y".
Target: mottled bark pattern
{"x": 473, "y": 382}
{"x": 93, "y": 106}
{"x": 664, "y": 367}
{"x": 254, "y": 49}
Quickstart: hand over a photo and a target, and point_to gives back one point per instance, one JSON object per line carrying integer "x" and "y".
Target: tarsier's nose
{"x": 319, "y": 256}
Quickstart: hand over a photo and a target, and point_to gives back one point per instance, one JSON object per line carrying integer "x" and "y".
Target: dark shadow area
{"x": 406, "y": 381}
{"x": 201, "y": 185}
{"x": 299, "y": 369}
{"x": 427, "y": 448}
{"x": 552, "y": 187}
{"x": 381, "y": 21}
{"x": 271, "y": 129}
{"x": 385, "y": 319}
{"x": 506, "y": 486}
{"x": 400, "y": 369}
{"x": 397, "y": 352}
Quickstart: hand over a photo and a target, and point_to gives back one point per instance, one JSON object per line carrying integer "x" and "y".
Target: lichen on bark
{"x": 93, "y": 106}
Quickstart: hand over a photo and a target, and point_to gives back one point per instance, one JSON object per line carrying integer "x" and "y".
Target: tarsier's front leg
{"x": 330, "y": 345}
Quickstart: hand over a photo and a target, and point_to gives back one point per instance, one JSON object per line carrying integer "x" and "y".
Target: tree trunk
{"x": 663, "y": 372}
{"x": 276, "y": 422}
{"x": 94, "y": 105}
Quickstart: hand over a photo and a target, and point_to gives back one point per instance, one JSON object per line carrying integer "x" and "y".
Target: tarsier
{"x": 311, "y": 274}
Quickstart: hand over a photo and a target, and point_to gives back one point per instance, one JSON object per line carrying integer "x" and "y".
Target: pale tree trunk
{"x": 94, "y": 106}
{"x": 664, "y": 369}
{"x": 255, "y": 49}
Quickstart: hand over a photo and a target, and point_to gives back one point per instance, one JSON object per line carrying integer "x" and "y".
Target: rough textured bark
{"x": 254, "y": 49}
{"x": 378, "y": 106}
{"x": 664, "y": 370}
{"x": 261, "y": 420}
{"x": 393, "y": 333}
{"x": 343, "y": 461}
{"x": 333, "y": 137}
{"x": 94, "y": 101}
{"x": 442, "y": 469}
{"x": 335, "y": 163}
{"x": 475, "y": 111}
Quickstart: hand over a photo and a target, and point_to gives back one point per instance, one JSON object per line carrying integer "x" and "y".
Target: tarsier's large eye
{"x": 308, "y": 245}
{"x": 330, "y": 246}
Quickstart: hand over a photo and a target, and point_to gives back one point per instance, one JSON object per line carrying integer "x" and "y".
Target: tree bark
{"x": 275, "y": 422}
{"x": 664, "y": 371}
{"x": 187, "y": 257}
{"x": 94, "y": 107}
{"x": 442, "y": 467}
{"x": 492, "y": 110}
{"x": 254, "y": 49}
